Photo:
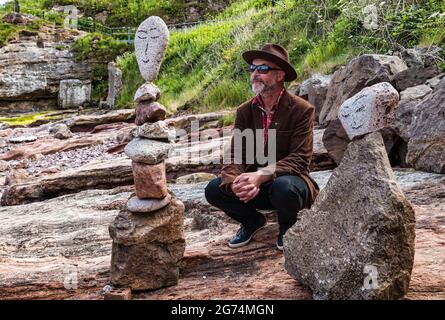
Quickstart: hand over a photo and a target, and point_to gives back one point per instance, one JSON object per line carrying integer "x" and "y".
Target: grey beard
{"x": 259, "y": 88}
{"x": 262, "y": 88}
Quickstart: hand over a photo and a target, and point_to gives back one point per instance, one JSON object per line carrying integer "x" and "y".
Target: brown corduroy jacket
{"x": 293, "y": 122}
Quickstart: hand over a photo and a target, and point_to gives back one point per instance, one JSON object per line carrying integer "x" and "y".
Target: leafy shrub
{"x": 99, "y": 50}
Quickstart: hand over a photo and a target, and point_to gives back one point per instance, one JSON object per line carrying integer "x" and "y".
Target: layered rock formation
{"x": 32, "y": 67}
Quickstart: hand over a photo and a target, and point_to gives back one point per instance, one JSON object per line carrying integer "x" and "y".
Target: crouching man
{"x": 282, "y": 126}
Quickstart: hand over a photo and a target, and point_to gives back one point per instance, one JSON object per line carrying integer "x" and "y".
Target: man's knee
{"x": 212, "y": 191}
{"x": 288, "y": 192}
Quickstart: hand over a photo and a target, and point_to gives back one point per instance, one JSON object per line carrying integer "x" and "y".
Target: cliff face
{"x": 32, "y": 66}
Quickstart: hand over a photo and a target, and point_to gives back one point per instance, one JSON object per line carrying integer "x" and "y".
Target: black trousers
{"x": 287, "y": 194}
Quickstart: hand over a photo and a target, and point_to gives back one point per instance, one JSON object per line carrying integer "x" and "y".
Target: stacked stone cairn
{"x": 148, "y": 236}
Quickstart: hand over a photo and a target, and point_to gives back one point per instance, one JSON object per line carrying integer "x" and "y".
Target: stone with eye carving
{"x": 372, "y": 109}
{"x": 150, "y": 42}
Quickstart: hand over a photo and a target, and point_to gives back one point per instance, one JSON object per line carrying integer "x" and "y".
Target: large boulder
{"x": 147, "y": 247}
{"x": 426, "y": 146}
{"x": 314, "y": 90}
{"x": 414, "y": 76}
{"x": 336, "y": 140}
{"x": 360, "y": 72}
{"x": 409, "y": 102}
{"x": 317, "y": 90}
{"x": 95, "y": 175}
{"x": 357, "y": 240}
{"x": 420, "y": 56}
{"x": 74, "y": 93}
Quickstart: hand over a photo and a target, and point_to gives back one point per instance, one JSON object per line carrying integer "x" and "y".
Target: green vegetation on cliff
{"x": 127, "y": 12}
{"x": 203, "y": 68}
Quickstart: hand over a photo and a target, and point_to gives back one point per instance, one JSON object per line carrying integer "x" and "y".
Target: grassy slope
{"x": 203, "y": 69}
{"x": 128, "y": 12}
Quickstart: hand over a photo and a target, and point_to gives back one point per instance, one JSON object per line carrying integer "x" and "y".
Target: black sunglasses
{"x": 263, "y": 68}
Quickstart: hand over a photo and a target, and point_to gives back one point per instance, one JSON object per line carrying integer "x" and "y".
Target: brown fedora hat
{"x": 273, "y": 53}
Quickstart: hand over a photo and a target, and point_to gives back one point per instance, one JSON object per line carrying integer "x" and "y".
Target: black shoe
{"x": 244, "y": 235}
{"x": 280, "y": 240}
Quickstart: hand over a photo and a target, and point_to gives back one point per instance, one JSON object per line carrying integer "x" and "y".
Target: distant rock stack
{"x": 148, "y": 237}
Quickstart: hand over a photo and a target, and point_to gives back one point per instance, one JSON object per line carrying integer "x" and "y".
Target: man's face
{"x": 263, "y": 83}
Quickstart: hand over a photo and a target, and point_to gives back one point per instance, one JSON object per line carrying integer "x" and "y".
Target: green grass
{"x": 123, "y": 12}
{"x": 227, "y": 120}
{"x": 203, "y": 69}
{"x": 10, "y": 31}
{"x": 100, "y": 50}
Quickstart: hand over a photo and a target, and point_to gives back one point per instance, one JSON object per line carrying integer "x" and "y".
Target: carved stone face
{"x": 150, "y": 42}
{"x": 370, "y": 110}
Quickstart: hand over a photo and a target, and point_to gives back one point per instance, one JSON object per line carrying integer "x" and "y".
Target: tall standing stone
{"x": 114, "y": 84}
{"x": 357, "y": 240}
{"x": 150, "y": 42}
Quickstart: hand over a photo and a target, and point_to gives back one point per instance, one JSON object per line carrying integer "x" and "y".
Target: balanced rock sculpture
{"x": 357, "y": 240}
{"x": 148, "y": 237}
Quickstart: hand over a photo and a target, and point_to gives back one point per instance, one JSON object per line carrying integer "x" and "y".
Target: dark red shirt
{"x": 266, "y": 116}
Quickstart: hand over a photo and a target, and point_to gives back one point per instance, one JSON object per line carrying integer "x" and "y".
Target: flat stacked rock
{"x": 148, "y": 237}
